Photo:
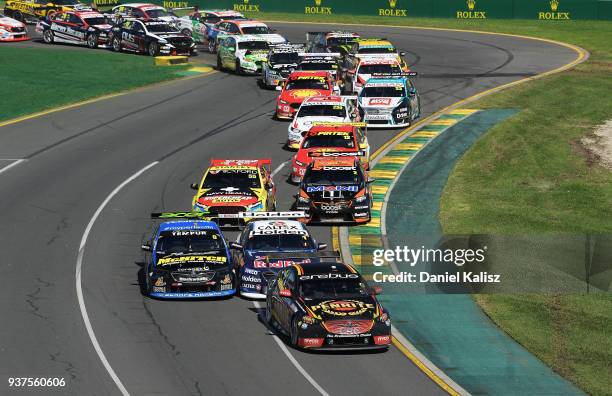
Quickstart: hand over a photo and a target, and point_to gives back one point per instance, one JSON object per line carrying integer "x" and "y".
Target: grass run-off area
{"x": 531, "y": 175}
{"x": 41, "y": 78}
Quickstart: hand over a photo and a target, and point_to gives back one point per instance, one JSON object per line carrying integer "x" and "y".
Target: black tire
{"x": 238, "y": 70}
{"x": 293, "y": 332}
{"x": 186, "y": 32}
{"x": 92, "y": 40}
{"x": 116, "y": 44}
{"x": 153, "y": 49}
{"x": 48, "y": 36}
{"x": 219, "y": 64}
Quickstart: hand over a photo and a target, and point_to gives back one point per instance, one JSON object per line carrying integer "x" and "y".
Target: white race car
{"x": 388, "y": 101}
{"x": 354, "y": 79}
{"x": 320, "y": 109}
{"x": 144, "y": 11}
{"x": 12, "y": 30}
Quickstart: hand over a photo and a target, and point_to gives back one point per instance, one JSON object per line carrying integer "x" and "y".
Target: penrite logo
{"x": 246, "y": 7}
{"x": 471, "y": 14}
{"x": 553, "y": 14}
{"x": 392, "y": 11}
{"x": 317, "y": 9}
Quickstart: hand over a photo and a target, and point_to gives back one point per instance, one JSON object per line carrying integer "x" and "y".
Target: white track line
{"x": 297, "y": 365}
{"x": 79, "y": 289}
{"x": 9, "y": 166}
{"x": 278, "y": 168}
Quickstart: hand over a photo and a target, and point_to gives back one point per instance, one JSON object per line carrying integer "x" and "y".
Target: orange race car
{"x": 299, "y": 86}
{"x": 331, "y": 141}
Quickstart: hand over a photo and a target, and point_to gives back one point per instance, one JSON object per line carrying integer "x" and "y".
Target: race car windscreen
{"x": 284, "y": 58}
{"x": 376, "y": 50}
{"x": 323, "y": 177}
{"x": 331, "y": 288}
{"x": 238, "y": 178}
{"x": 342, "y": 141}
{"x": 253, "y": 45}
{"x": 159, "y": 13}
{"x": 95, "y": 21}
{"x": 337, "y": 41}
{"x": 308, "y": 83}
{"x": 279, "y": 242}
{"x": 193, "y": 241}
{"x": 322, "y": 111}
{"x": 383, "y": 91}
{"x": 255, "y": 30}
{"x": 161, "y": 28}
{"x": 384, "y": 68}
{"x": 317, "y": 66}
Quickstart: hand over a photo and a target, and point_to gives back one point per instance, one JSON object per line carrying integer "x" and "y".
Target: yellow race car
{"x": 229, "y": 187}
{"x": 34, "y": 10}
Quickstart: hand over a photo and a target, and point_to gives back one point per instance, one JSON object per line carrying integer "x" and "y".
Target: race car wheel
{"x": 92, "y": 41}
{"x": 238, "y": 68}
{"x": 153, "y": 49}
{"x": 50, "y": 14}
{"x": 293, "y": 332}
{"x": 116, "y": 44}
{"x": 48, "y": 36}
{"x": 186, "y": 32}
{"x": 211, "y": 47}
{"x": 219, "y": 63}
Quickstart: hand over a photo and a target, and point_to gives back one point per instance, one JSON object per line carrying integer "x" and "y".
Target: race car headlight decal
{"x": 384, "y": 318}
{"x": 361, "y": 198}
{"x": 299, "y": 163}
{"x": 201, "y": 207}
{"x": 162, "y": 41}
{"x": 283, "y": 102}
{"x": 306, "y": 321}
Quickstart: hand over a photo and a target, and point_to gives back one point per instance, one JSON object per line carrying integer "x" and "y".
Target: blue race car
{"x": 389, "y": 101}
{"x": 188, "y": 259}
{"x": 265, "y": 247}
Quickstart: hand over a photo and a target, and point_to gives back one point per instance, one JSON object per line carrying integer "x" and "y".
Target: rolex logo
{"x": 317, "y": 3}
{"x": 392, "y": 3}
{"x": 554, "y": 4}
{"x": 471, "y": 4}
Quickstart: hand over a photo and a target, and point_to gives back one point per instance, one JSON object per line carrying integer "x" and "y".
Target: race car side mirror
{"x": 236, "y": 246}
{"x": 279, "y": 88}
{"x": 146, "y": 247}
{"x": 285, "y": 293}
{"x": 370, "y": 181}
{"x": 412, "y": 91}
{"x": 322, "y": 246}
{"x": 269, "y": 186}
{"x": 194, "y": 186}
{"x": 402, "y": 53}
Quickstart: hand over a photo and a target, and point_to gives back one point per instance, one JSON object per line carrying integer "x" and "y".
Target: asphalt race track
{"x": 76, "y": 158}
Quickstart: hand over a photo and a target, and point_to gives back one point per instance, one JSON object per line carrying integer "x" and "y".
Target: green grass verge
{"x": 529, "y": 174}
{"x": 37, "y": 79}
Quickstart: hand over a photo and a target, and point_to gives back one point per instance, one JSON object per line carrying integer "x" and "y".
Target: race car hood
{"x": 355, "y": 308}
{"x": 253, "y": 55}
{"x": 380, "y": 103}
{"x": 10, "y": 22}
{"x": 298, "y": 95}
{"x": 190, "y": 262}
{"x": 322, "y": 193}
{"x": 272, "y": 38}
{"x": 228, "y": 196}
{"x": 305, "y": 123}
{"x": 262, "y": 261}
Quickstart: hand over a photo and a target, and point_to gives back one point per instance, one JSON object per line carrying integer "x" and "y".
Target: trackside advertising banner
{"x": 544, "y": 10}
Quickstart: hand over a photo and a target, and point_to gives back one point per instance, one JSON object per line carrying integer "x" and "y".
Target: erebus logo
{"x": 317, "y": 9}
{"x": 553, "y": 14}
{"x": 392, "y": 11}
{"x": 471, "y": 14}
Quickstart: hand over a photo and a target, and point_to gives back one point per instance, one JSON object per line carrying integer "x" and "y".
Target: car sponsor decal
{"x": 343, "y": 307}
{"x": 380, "y": 101}
{"x": 332, "y": 188}
{"x": 190, "y": 259}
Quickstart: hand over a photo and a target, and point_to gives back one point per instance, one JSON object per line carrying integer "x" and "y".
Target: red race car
{"x": 332, "y": 141}
{"x": 12, "y": 30}
{"x": 299, "y": 86}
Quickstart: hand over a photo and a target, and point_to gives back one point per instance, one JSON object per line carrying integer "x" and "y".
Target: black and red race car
{"x": 327, "y": 306}
{"x": 75, "y": 27}
{"x": 154, "y": 37}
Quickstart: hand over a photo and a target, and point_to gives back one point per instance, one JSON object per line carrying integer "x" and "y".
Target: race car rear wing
{"x": 359, "y": 153}
{"x": 239, "y": 162}
{"x": 239, "y": 215}
{"x": 331, "y": 254}
{"x": 319, "y": 55}
{"x": 363, "y": 125}
{"x": 392, "y": 75}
